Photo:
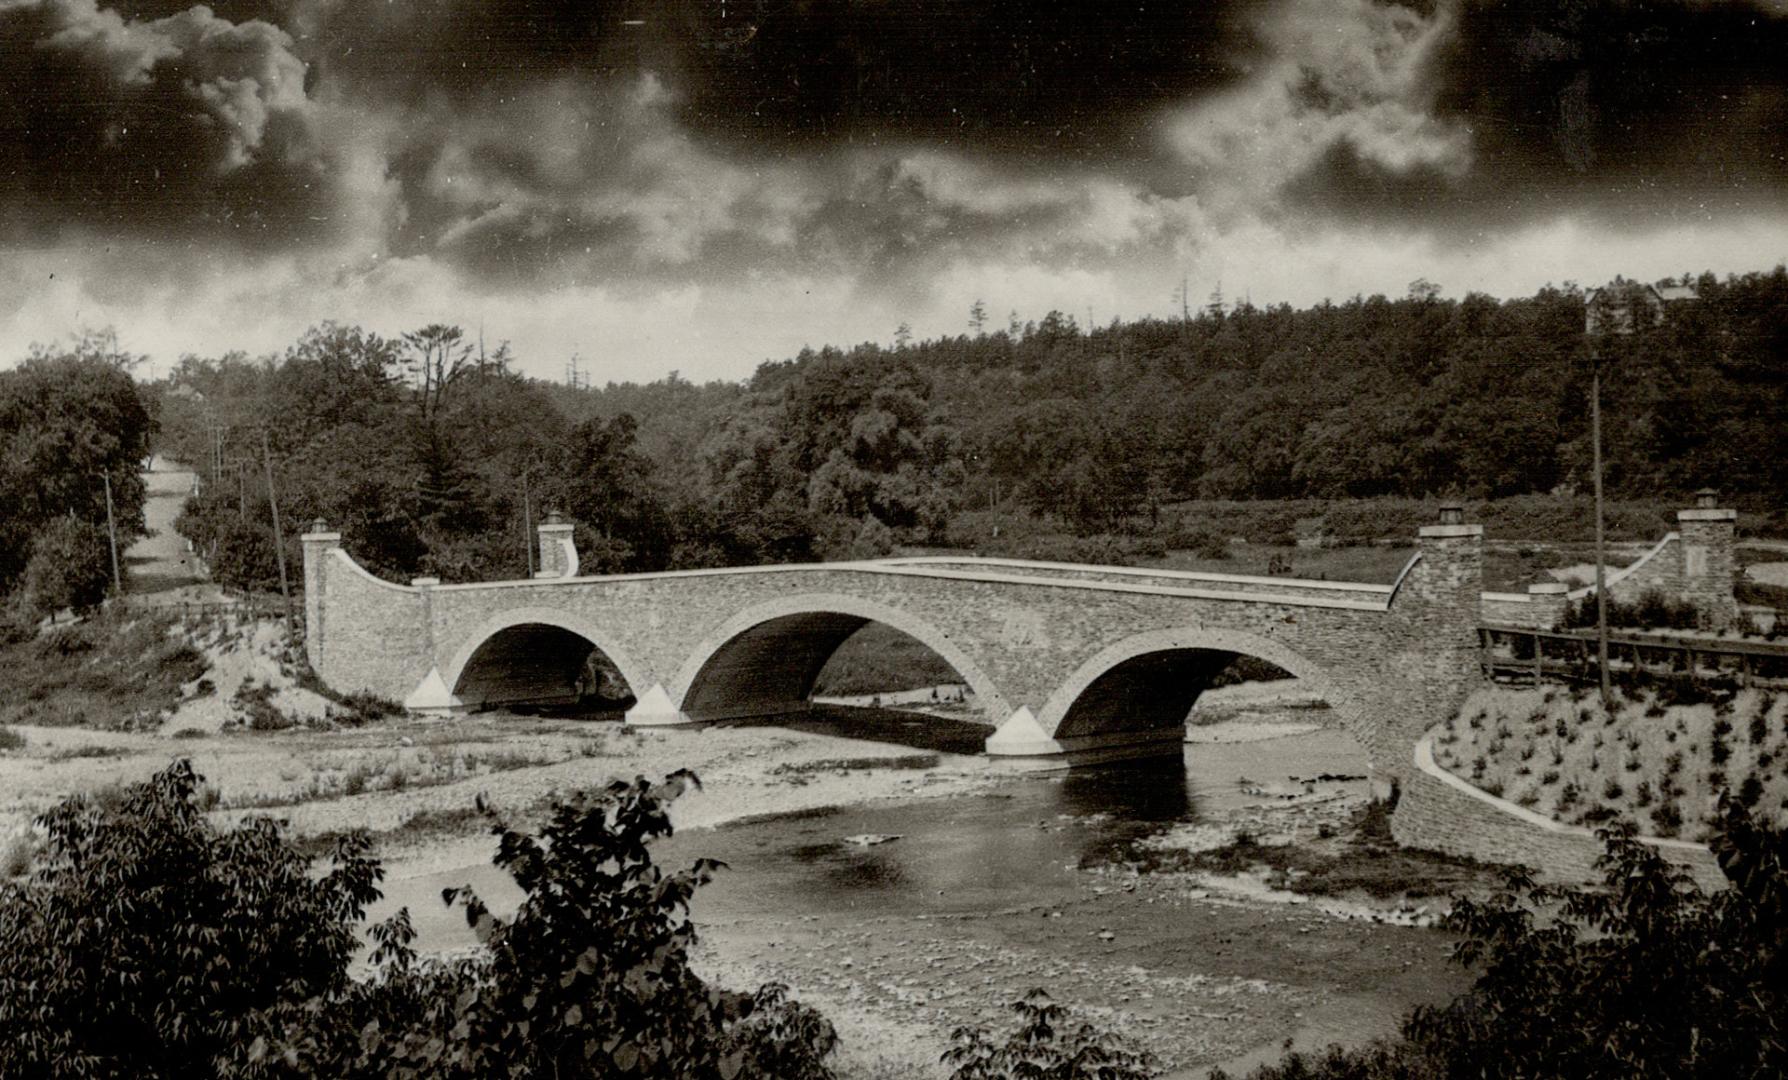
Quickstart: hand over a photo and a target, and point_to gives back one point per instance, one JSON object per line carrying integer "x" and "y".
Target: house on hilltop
{"x": 1621, "y": 307}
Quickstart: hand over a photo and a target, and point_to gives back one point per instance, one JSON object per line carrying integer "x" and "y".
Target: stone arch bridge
{"x": 1080, "y": 663}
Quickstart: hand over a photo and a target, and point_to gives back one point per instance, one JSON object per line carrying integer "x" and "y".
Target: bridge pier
{"x": 1022, "y": 738}
{"x": 654, "y": 708}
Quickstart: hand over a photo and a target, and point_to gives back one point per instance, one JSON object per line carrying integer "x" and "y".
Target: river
{"x": 981, "y": 897}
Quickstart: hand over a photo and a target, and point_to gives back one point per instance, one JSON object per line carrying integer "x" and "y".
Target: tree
{"x": 606, "y": 485}
{"x": 146, "y": 942}
{"x": 978, "y": 318}
{"x": 67, "y": 419}
{"x": 70, "y": 567}
{"x": 438, "y": 357}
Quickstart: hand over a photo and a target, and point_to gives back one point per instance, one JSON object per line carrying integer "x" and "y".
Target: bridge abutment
{"x": 1434, "y": 661}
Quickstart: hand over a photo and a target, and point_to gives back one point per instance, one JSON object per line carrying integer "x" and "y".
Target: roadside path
{"x": 158, "y": 566}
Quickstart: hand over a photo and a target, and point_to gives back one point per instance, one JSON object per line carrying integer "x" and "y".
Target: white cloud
{"x": 1341, "y": 71}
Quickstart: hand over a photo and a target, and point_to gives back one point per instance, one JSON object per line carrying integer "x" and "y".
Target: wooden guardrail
{"x": 1520, "y": 653}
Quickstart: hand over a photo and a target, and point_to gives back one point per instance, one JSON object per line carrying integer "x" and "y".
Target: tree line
{"x": 433, "y": 454}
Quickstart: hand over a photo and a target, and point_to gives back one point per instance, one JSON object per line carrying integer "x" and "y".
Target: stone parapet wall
{"x": 370, "y": 635}
{"x": 1437, "y": 811}
{"x": 1658, "y": 570}
{"x": 1240, "y": 583}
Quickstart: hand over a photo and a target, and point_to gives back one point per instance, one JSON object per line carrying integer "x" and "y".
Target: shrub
{"x": 1666, "y": 818}
{"x": 146, "y": 939}
{"x": 70, "y": 567}
{"x": 150, "y": 944}
{"x": 365, "y": 707}
{"x": 1044, "y": 1047}
{"x": 11, "y": 740}
{"x": 1200, "y": 542}
{"x": 1641, "y": 975}
{"x": 256, "y": 703}
{"x": 1653, "y": 610}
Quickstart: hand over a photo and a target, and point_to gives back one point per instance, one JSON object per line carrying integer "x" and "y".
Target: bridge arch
{"x": 785, "y": 642}
{"x": 513, "y": 624}
{"x": 1168, "y": 669}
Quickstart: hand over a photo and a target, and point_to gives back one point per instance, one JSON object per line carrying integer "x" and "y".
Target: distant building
{"x": 1621, "y": 307}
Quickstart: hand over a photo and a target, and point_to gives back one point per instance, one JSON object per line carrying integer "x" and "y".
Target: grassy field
{"x": 111, "y": 671}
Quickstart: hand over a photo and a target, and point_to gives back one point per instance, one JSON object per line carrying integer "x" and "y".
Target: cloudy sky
{"x": 703, "y": 184}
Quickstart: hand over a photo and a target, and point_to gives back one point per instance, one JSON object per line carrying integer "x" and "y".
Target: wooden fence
{"x": 1514, "y": 653}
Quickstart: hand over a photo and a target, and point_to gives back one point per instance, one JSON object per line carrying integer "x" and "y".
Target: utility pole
{"x": 279, "y": 541}
{"x": 1595, "y": 428}
{"x": 112, "y": 532}
{"x": 527, "y": 525}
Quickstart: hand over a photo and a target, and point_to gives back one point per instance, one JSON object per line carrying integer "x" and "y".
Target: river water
{"x": 1004, "y": 872}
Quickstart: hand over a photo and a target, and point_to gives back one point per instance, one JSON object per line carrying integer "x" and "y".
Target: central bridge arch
{"x": 765, "y": 659}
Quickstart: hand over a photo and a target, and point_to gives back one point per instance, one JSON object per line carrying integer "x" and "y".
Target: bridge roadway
{"x": 1077, "y": 663}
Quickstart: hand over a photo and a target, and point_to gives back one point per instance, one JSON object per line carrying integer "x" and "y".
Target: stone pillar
{"x": 558, "y": 554}
{"x": 1708, "y": 565}
{"x": 1436, "y": 661}
{"x": 432, "y": 696}
{"x": 1549, "y": 601}
{"x": 426, "y": 585}
{"x": 318, "y": 541}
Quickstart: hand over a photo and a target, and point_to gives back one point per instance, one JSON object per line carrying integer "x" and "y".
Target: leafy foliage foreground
{"x": 1643, "y": 976}
{"x": 148, "y": 943}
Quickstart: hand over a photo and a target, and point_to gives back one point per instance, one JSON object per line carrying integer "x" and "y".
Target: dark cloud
{"x": 1075, "y": 76}
{"x": 1072, "y": 78}
{"x": 677, "y": 140}
{"x": 187, "y": 125}
{"x": 1635, "y": 113}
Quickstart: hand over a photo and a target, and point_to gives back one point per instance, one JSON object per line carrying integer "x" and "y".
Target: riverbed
{"x": 904, "y": 918}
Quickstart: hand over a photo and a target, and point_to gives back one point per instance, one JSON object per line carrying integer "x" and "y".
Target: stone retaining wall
{"x": 1438, "y": 811}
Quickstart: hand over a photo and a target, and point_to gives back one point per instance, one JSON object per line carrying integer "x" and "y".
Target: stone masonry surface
{"x": 1391, "y": 661}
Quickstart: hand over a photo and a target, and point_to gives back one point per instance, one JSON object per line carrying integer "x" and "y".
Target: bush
{"x": 1643, "y": 975}
{"x": 148, "y": 943}
{"x": 1653, "y": 611}
{"x": 1200, "y": 542}
{"x": 258, "y": 709}
{"x": 1044, "y": 1047}
{"x": 589, "y": 978}
{"x": 11, "y": 740}
{"x": 146, "y": 940}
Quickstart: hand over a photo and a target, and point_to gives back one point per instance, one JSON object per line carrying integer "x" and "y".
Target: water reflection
{"x": 1146, "y": 791}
